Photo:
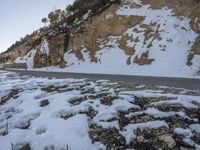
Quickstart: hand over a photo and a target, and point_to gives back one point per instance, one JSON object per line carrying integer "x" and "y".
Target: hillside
{"x": 135, "y": 37}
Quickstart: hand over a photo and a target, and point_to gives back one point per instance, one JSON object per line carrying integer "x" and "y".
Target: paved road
{"x": 163, "y": 81}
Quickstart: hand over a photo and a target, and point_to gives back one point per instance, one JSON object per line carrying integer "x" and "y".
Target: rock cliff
{"x": 141, "y": 36}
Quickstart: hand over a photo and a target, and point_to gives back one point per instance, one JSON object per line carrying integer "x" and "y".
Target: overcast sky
{"x": 21, "y": 17}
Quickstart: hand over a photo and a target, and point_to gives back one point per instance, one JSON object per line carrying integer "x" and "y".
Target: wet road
{"x": 187, "y": 83}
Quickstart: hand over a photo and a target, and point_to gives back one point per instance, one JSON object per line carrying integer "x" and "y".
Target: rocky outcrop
{"x": 57, "y": 48}
{"x": 143, "y": 59}
{"x": 180, "y": 7}
{"x": 195, "y": 51}
{"x": 22, "y": 48}
{"x": 108, "y": 23}
{"x": 42, "y": 57}
{"x": 86, "y": 35}
{"x": 101, "y": 25}
{"x": 195, "y": 25}
{"x": 195, "y": 19}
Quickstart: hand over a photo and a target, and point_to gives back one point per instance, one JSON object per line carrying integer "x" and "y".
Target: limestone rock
{"x": 143, "y": 59}
{"x": 168, "y": 140}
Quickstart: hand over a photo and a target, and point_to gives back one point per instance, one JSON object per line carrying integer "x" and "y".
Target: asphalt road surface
{"x": 193, "y": 84}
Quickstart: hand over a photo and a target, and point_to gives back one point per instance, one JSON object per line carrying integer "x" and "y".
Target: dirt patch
{"x": 148, "y": 139}
{"x": 21, "y": 146}
{"x": 44, "y": 103}
{"x": 12, "y": 94}
{"x": 77, "y": 100}
{"x": 107, "y": 100}
{"x": 50, "y": 88}
{"x": 143, "y": 59}
{"x": 109, "y": 137}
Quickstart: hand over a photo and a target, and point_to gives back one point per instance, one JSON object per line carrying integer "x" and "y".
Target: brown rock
{"x": 168, "y": 140}
{"x": 62, "y": 63}
{"x": 143, "y": 59}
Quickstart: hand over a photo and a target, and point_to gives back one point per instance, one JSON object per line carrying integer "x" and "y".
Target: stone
{"x": 44, "y": 103}
{"x": 140, "y": 139}
{"x": 168, "y": 140}
{"x": 143, "y": 59}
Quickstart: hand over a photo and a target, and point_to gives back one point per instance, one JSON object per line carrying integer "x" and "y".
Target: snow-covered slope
{"x": 160, "y": 45}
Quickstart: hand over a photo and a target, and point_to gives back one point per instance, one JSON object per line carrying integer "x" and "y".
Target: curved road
{"x": 188, "y": 83}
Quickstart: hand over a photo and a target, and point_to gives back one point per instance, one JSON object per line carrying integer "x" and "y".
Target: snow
{"x": 121, "y": 105}
{"x": 40, "y": 132}
{"x": 129, "y": 130}
{"x": 183, "y": 132}
{"x": 187, "y": 134}
{"x": 149, "y": 93}
{"x": 85, "y": 17}
{"x": 64, "y": 124}
{"x": 151, "y": 111}
{"x": 159, "y": 114}
{"x": 44, "y": 47}
{"x": 169, "y": 27}
{"x": 195, "y": 128}
{"x": 186, "y": 101}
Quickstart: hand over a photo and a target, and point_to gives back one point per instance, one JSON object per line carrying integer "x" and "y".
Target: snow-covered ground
{"x": 79, "y": 114}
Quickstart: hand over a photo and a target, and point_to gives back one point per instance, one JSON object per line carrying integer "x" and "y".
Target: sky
{"x": 21, "y": 17}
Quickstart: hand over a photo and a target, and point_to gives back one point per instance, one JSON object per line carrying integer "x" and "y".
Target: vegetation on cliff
{"x": 59, "y": 22}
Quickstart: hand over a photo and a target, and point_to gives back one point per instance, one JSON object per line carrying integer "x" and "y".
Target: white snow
{"x": 149, "y": 93}
{"x": 45, "y": 129}
{"x": 183, "y": 132}
{"x": 159, "y": 114}
{"x": 128, "y": 133}
{"x": 63, "y": 124}
{"x": 187, "y": 134}
{"x": 44, "y": 49}
{"x": 151, "y": 111}
{"x": 186, "y": 101}
{"x": 195, "y": 128}
{"x": 46, "y": 125}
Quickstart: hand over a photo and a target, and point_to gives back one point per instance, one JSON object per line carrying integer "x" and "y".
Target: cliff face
{"x": 95, "y": 33}
{"x": 161, "y": 34}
